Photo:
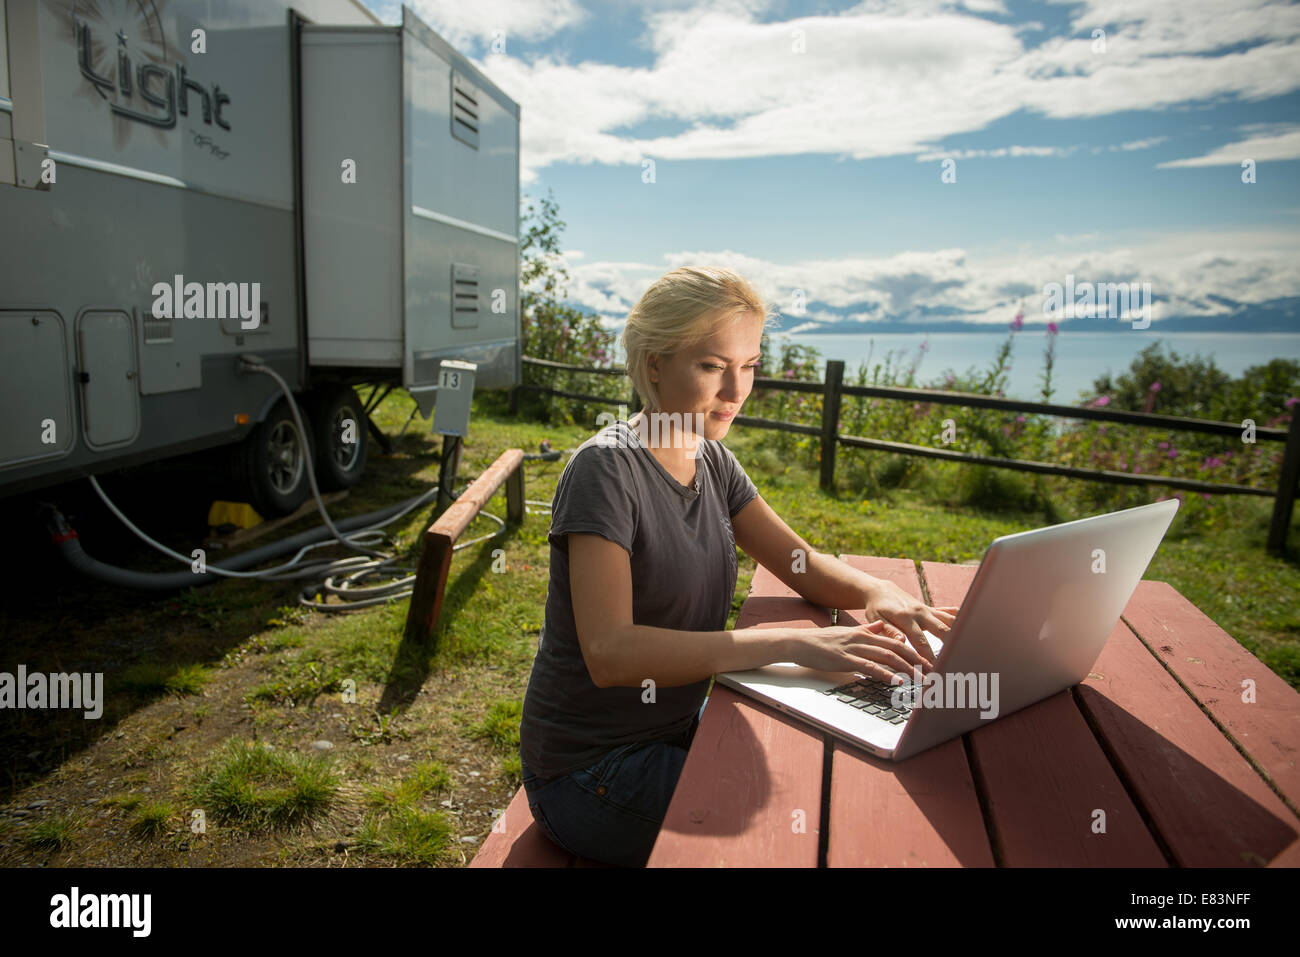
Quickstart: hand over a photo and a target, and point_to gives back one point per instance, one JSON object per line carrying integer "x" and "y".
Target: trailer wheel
{"x": 340, "y": 438}
{"x": 272, "y": 464}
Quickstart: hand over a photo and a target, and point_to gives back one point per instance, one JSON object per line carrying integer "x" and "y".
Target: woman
{"x": 645, "y": 523}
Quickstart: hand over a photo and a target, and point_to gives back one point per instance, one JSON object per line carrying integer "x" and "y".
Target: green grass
{"x": 151, "y": 820}
{"x": 376, "y": 728}
{"x": 500, "y": 726}
{"x": 151, "y": 678}
{"x": 512, "y": 768}
{"x": 127, "y": 802}
{"x": 425, "y": 778}
{"x": 408, "y": 835}
{"x": 300, "y": 681}
{"x": 253, "y": 786}
{"x": 53, "y": 834}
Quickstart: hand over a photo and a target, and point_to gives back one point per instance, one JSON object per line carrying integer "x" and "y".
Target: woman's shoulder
{"x": 601, "y": 452}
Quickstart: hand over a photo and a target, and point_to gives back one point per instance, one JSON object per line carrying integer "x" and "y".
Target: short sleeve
{"x": 594, "y": 497}
{"x": 740, "y": 490}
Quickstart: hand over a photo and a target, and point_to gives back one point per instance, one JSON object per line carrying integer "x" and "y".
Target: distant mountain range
{"x": 1277, "y": 315}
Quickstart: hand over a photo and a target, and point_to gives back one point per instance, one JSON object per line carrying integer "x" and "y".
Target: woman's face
{"x": 712, "y": 377}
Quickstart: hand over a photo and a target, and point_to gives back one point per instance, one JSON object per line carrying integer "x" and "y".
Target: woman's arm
{"x": 825, "y": 580}
{"x": 619, "y": 653}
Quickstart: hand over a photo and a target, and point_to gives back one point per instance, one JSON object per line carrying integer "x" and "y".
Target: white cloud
{"x": 1058, "y": 151}
{"x": 1264, "y": 148}
{"x": 1246, "y": 267}
{"x": 1147, "y": 143}
{"x": 471, "y": 26}
{"x": 885, "y": 78}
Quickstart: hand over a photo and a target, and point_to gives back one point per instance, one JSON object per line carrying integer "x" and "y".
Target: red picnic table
{"x": 1184, "y": 739}
{"x": 1179, "y": 749}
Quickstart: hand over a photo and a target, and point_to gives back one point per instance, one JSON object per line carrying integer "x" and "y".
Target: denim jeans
{"x": 611, "y": 811}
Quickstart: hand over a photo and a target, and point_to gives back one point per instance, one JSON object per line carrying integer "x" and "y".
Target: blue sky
{"x": 803, "y": 144}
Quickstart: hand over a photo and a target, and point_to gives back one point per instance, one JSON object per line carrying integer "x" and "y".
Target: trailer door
{"x": 110, "y": 396}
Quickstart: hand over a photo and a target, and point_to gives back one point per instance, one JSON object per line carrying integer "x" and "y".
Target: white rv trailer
{"x": 185, "y": 182}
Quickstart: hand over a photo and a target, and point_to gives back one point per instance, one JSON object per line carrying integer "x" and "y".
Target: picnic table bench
{"x": 1179, "y": 749}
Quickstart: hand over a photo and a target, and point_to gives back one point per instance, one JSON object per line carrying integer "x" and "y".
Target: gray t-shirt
{"x": 683, "y": 559}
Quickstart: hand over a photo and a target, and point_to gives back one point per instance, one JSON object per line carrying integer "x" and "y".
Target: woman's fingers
{"x": 912, "y": 630}
{"x": 905, "y": 657}
{"x": 888, "y": 629}
{"x": 934, "y": 624}
{"x": 873, "y": 670}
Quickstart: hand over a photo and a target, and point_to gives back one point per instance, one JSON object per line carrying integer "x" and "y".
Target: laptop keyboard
{"x": 871, "y": 696}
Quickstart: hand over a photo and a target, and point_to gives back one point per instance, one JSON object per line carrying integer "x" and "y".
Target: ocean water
{"x": 1080, "y": 356}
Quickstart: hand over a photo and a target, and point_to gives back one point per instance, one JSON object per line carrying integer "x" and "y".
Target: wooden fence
{"x": 834, "y": 390}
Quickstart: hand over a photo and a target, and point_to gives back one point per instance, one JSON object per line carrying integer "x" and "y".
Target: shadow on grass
{"x": 413, "y": 660}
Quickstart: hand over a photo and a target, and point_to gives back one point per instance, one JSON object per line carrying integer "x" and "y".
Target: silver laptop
{"x": 1035, "y": 619}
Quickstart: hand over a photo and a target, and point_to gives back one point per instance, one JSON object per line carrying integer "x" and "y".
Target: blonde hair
{"x": 682, "y": 308}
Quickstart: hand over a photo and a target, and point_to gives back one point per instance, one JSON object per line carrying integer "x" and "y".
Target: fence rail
{"x": 833, "y": 389}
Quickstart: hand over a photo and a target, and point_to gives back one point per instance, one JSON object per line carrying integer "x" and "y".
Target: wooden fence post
{"x": 1285, "y": 499}
{"x": 831, "y": 421}
{"x": 515, "y": 495}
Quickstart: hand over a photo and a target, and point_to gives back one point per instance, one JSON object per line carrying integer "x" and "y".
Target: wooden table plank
{"x": 750, "y": 791}
{"x": 749, "y": 794}
{"x": 1045, "y": 777}
{"x": 765, "y": 584}
{"x": 1208, "y": 806}
{"x": 1212, "y": 666}
{"x": 1054, "y": 799}
{"x": 921, "y": 812}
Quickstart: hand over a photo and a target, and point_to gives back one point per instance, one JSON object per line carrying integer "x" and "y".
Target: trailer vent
{"x": 464, "y": 110}
{"x": 464, "y": 295}
{"x": 157, "y": 330}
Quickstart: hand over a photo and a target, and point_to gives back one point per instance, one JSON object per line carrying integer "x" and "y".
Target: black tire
{"x": 271, "y": 464}
{"x": 339, "y": 464}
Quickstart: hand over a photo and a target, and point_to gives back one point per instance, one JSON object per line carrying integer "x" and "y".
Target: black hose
{"x": 66, "y": 540}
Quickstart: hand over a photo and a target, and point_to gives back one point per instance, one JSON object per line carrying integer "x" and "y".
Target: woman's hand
{"x": 867, "y": 649}
{"x": 908, "y": 616}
